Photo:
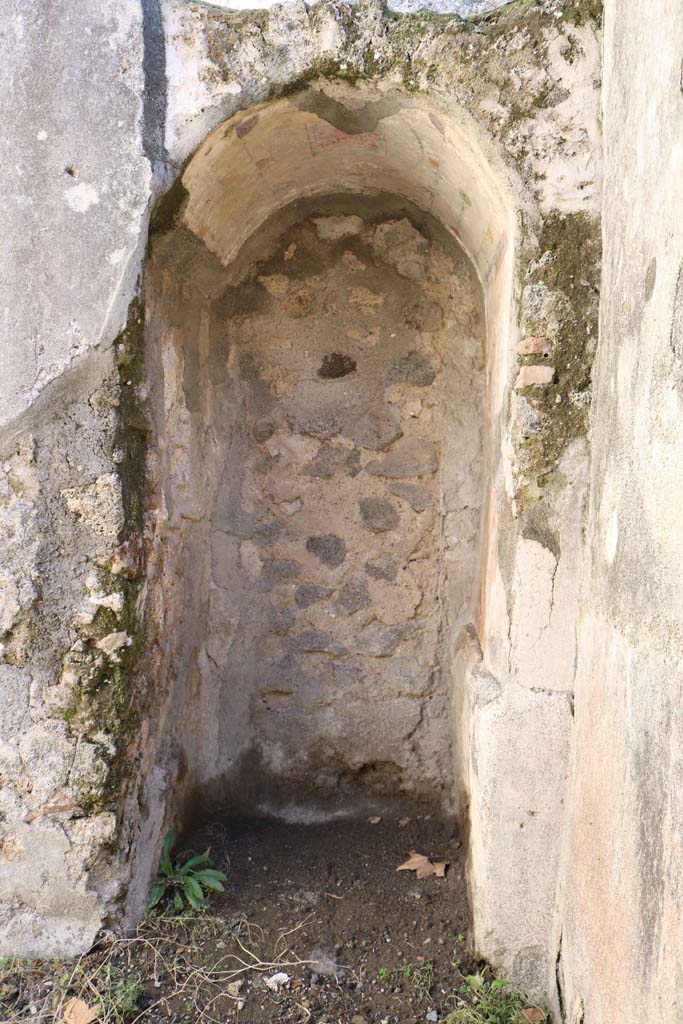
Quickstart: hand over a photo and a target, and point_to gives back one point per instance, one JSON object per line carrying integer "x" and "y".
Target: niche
{"x": 319, "y": 387}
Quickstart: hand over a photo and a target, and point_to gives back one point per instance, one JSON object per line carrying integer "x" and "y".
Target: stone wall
{"x": 78, "y": 189}
{"x": 620, "y": 955}
{"x": 335, "y": 509}
{"x": 491, "y": 127}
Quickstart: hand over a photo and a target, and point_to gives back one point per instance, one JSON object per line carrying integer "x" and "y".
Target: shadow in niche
{"x": 320, "y": 406}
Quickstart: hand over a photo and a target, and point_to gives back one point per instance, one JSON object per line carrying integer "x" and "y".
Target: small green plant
{"x": 420, "y": 975}
{"x": 117, "y": 994}
{"x": 495, "y": 1001}
{"x": 184, "y": 881}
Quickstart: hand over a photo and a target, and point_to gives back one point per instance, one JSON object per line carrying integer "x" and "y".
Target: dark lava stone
{"x": 330, "y": 549}
{"x": 336, "y": 365}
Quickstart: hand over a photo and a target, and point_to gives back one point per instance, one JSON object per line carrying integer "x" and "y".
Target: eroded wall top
{"x": 464, "y": 8}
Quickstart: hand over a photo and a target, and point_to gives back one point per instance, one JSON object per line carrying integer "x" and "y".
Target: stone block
{"x": 418, "y": 496}
{"x": 313, "y": 641}
{"x": 309, "y": 593}
{"x": 519, "y": 742}
{"x": 407, "y": 677}
{"x": 381, "y": 641}
{"x": 353, "y": 595}
{"x": 79, "y": 168}
{"x": 328, "y": 460}
{"x": 331, "y": 229}
{"x": 376, "y": 428}
{"x": 414, "y": 368}
{"x": 328, "y": 548}
{"x": 535, "y": 376}
{"x": 409, "y": 457}
{"x": 423, "y": 315}
{"x": 379, "y": 515}
{"x": 382, "y": 568}
{"x": 321, "y": 425}
{"x": 534, "y": 346}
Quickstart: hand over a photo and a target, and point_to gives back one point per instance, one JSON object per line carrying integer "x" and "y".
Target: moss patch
{"x": 102, "y": 697}
{"x": 102, "y": 700}
{"x": 569, "y": 268}
{"x": 574, "y": 12}
{"x": 225, "y": 32}
{"x": 583, "y": 11}
{"x": 132, "y": 429}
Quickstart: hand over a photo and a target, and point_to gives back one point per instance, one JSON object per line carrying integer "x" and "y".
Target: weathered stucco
{"x": 76, "y": 186}
{"x": 621, "y": 939}
{"x": 491, "y": 129}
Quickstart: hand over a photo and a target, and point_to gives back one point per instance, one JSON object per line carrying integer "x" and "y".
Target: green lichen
{"x": 102, "y": 700}
{"x": 411, "y": 44}
{"x": 574, "y": 12}
{"x": 569, "y": 268}
{"x": 226, "y": 31}
{"x": 513, "y": 5}
{"x": 407, "y": 33}
{"x": 444, "y": 50}
{"x": 525, "y": 15}
{"x": 580, "y": 12}
{"x": 326, "y": 68}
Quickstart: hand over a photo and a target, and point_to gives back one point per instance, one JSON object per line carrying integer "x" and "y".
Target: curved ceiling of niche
{"x": 345, "y": 140}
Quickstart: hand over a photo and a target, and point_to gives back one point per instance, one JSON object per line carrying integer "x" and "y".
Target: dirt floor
{"x": 316, "y": 926}
{"x": 362, "y": 940}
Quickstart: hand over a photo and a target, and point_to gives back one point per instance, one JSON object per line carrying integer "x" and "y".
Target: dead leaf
{"x": 423, "y": 866}
{"x": 375, "y": 820}
{"x": 78, "y": 1012}
{"x": 532, "y": 1015}
{"x": 234, "y": 986}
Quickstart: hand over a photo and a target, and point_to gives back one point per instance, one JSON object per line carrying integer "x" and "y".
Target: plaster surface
{"x": 620, "y": 956}
{"x": 77, "y": 185}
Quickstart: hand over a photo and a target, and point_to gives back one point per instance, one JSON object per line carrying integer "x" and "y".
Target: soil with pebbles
{"x": 375, "y": 945}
